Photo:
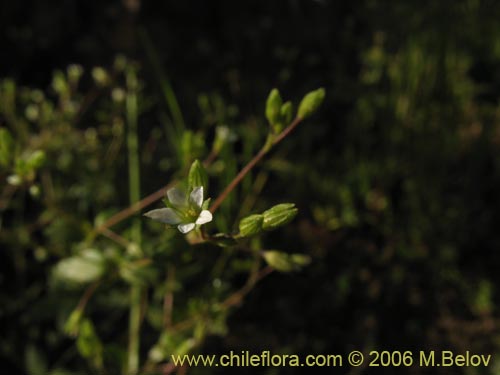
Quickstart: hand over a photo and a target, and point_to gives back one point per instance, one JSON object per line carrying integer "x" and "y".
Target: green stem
{"x": 134, "y": 196}
{"x": 270, "y": 142}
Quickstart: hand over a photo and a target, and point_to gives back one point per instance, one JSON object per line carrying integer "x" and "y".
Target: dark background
{"x": 397, "y": 176}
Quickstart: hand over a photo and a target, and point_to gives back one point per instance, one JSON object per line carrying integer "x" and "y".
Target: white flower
{"x": 185, "y": 212}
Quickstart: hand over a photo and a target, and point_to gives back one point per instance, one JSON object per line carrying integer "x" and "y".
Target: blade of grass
{"x": 134, "y": 196}
{"x": 166, "y": 87}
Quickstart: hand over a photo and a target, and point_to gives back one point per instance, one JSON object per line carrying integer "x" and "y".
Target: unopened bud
{"x": 310, "y": 103}
{"x": 251, "y": 225}
{"x": 273, "y": 107}
{"x": 287, "y": 112}
{"x": 284, "y": 262}
{"x": 279, "y": 215}
{"x": 100, "y": 76}
{"x": 197, "y": 176}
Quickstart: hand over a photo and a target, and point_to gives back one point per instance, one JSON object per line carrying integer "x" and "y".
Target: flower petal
{"x": 185, "y": 228}
{"x": 205, "y": 217}
{"x": 165, "y": 215}
{"x": 176, "y": 197}
{"x": 197, "y": 196}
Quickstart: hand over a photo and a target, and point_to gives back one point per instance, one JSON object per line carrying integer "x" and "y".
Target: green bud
{"x": 59, "y": 83}
{"x": 284, "y": 262}
{"x": 279, "y": 215}
{"x": 251, "y": 225}
{"x": 287, "y": 112}
{"x": 273, "y": 107}
{"x": 197, "y": 176}
{"x": 310, "y": 103}
{"x": 100, "y": 76}
{"x": 36, "y": 159}
{"x": 300, "y": 260}
{"x": 74, "y": 73}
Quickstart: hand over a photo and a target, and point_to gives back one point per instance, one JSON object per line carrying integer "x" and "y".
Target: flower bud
{"x": 279, "y": 215}
{"x": 100, "y": 76}
{"x": 74, "y": 73}
{"x": 197, "y": 176}
{"x": 284, "y": 262}
{"x": 310, "y": 103}
{"x": 251, "y": 225}
{"x": 273, "y": 107}
{"x": 287, "y": 112}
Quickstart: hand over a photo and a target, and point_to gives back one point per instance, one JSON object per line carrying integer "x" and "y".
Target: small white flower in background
{"x": 185, "y": 212}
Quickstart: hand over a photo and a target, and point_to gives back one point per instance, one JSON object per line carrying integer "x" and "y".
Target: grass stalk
{"x": 134, "y": 196}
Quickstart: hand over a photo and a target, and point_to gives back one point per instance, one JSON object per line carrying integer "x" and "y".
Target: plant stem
{"x": 134, "y": 196}
{"x": 247, "y": 168}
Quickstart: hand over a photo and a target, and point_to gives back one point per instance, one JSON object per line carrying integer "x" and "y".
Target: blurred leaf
{"x": 284, "y": 262}
{"x": 6, "y": 147}
{"x": 89, "y": 345}
{"x": 36, "y": 363}
{"x": 85, "y": 267}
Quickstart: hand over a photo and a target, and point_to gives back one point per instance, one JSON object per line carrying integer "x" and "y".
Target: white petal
{"x": 176, "y": 197}
{"x": 165, "y": 215}
{"x": 197, "y": 196}
{"x": 184, "y": 228}
{"x": 205, "y": 217}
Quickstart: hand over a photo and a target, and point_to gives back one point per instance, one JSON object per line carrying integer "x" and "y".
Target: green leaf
{"x": 171, "y": 343}
{"x": 197, "y": 176}
{"x": 36, "y": 159}
{"x": 284, "y": 262}
{"x": 138, "y": 272}
{"x": 6, "y": 147}
{"x": 310, "y": 103}
{"x": 89, "y": 345}
{"x": 223, "y": 240}
{"x": 36, "y": 363}
{"x": 251, "y": 225}
{"x": 86, "y": 267}
{"x": 279, "y": 215}
{"x": 72, "y": 326}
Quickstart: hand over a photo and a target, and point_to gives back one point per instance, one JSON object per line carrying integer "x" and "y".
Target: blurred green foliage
{"x": 396, "y": 179}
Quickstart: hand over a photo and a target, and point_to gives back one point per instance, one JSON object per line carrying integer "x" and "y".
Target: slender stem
{"x": 134, "y": 196}
{"x": 255, "y": 276}
{"x": 168, "y": 299}
{"x": 247, "y": 168}
{"x": 116, "y": 237}
{"x": 133, "y": 208}
{"x": 89, "y": 292}
{"x": 150, "y": 199}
